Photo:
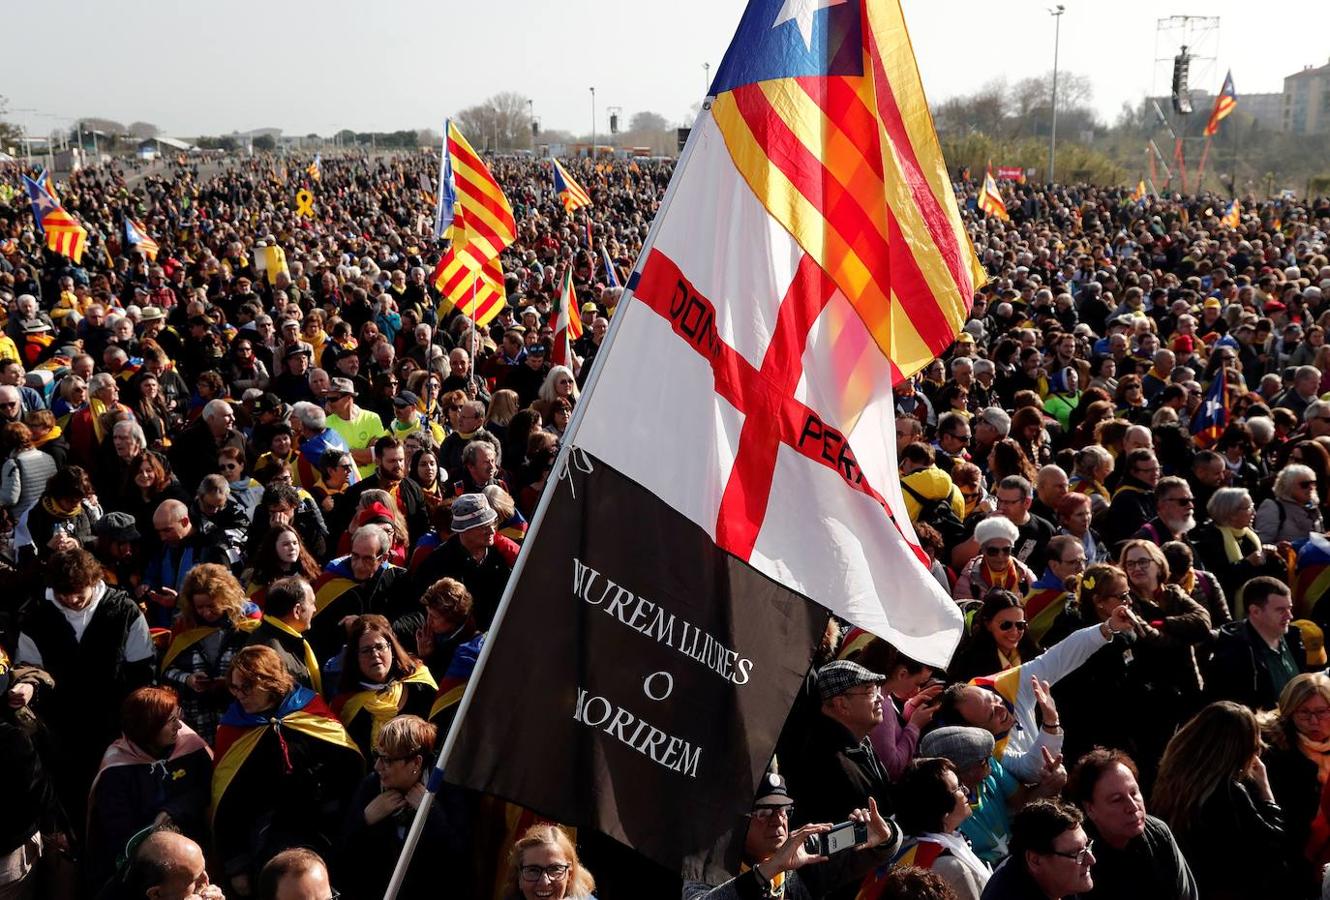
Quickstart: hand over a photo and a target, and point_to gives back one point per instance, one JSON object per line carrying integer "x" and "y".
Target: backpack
{"x": 940, "y": 515}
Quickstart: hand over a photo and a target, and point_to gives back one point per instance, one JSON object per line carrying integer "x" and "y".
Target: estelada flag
{"x": 571, "y": 194}
{"x": 1225, "y": 103}
{"x": 1232, "y": 217}
{"x": 565, "y": 322}
{"x": 676, "y": 582}
{"x": 1140, "y": 193}
{"x": 64, "y": 235}
{"x": 990, "y": 198}
{"x": 1213, "y": 416}
{"x": 136, "y": 236}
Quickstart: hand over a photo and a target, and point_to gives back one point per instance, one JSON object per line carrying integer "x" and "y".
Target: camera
{"x": 840, "y": 837}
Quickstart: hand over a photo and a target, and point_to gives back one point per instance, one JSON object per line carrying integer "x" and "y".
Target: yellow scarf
{"x": 97, "y": 407}
{"x": 385, "y": 702}
{"x": 311, "y": 661}
{"x": 1232, "y": 549}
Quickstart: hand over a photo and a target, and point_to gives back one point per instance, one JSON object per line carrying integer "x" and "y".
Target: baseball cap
{"x": 405, "y": 400}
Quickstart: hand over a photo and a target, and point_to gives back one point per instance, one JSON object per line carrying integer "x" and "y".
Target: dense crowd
{"x": 258, "y": 516}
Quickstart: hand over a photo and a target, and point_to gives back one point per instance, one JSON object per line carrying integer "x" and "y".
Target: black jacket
{"x": 1150, "y": 867}
{"x": 1236, "y": 846}
{"x": 1238, "y": 669}
{"x": 835, "y": 775}
{"x": 1133, "y": 505}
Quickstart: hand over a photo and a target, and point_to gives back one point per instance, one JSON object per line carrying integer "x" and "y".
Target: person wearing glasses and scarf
{"x": 999, "y": 638}
{"x": 379, "y": 681}
{"x": 380, "y": 814}
{"x": 995, "y": 566}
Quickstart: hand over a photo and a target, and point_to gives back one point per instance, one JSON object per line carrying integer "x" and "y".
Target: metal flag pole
{"x": 561, "y": 463}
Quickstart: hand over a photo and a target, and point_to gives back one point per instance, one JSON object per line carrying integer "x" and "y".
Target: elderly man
{"x": 1306, "y": 385}
{"x": 288, "y": 612}
{"x": 470, "y": 427}
{"x": 359, "y": 428}
{"x": 194, "y": 452}
{"x": 475, "y": 555}
{"x": 85, "y": 427}
{"x": 296, "y": 874}
{"x": 362, "y": 582}
{"x": 1050, "y": 486}
{"x": 839, "y": 770}
{"x": 313, "y": 438}
{"x": 166, "y": 865}
{"x": 12, "y": 374}
{"x": 1014, "y": 498}
{"x": 479, "y": 469}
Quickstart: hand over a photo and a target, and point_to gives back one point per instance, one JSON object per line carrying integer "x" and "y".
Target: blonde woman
{"x": 1298, "y": 763}
{"x": 543, "y": 865}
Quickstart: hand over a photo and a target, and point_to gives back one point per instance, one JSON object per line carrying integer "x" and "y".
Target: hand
{"x": 240, "y": 884}
{"x": 347, "y": 621}
{"x": 1257, "y": 557}
{"x": 209, "y": 892}
{"x": 921, "y": 698}
{"x": 383, "y": 806}
{"x": 1283, "y": 548}
{"x": 1121, "y": 620}
{"x": 198, "y": 682}
{"x": 879, "y": 829}
{"x": 424, "y": 640}
{"x": 166, "y": 597}
{"x": 415, "y": 795}
{"x": 61, "y": 541}
{"x": 162, "y": 819}
{"x": 1256, "y": 772}
{"x": 923, "y": 713}
{"x": 791, "y": 855}
{"x": 1044, "y": 699}
{"x": 20, "y": 695}
{"x": 1054, "y": 776}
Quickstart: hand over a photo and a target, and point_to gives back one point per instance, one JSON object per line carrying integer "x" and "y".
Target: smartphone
{"x": 840, "y": 837}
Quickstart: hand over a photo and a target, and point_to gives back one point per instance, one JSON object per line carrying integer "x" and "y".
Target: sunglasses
{"x": 1019, "y": 626}
{"x": 997, "y": 551}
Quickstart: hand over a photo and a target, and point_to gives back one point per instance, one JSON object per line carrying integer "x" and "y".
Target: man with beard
{"x": 1174, "y": 505}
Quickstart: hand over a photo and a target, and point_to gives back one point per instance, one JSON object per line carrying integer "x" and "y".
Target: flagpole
{"x": 561, "y": 463}
{"x": 1200, "y": 171}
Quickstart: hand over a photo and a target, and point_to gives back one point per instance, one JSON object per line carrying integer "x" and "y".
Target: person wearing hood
{"x": 772, "y": 861}
{"x": 1064, "y": 394}
{"x": 94, "y": 642}
{"x": 156, "y": 773}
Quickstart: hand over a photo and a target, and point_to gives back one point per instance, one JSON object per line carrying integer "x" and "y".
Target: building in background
{"x": 1307, "y": 101}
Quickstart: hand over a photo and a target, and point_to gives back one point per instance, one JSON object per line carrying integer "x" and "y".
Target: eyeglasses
{"x": 872, "y": 691}
{"x": 375, "y": 649}
{"x": 1312, "y": 715}
{"x": 1304, "y": 485}
{"x": 406, "y": 757}
{"x": 1080, "y": 856}
{"x": 1181, "y": 501}
{"x": 346, "y": 465}
{"x": 997, "y": 551}
{"x": 1019, "y": 626}
{"x": 366, "y": 557}
{"x": 554, "y": 871}
{"x": 767, "y": 812}
{"x": 1140, "y": 563}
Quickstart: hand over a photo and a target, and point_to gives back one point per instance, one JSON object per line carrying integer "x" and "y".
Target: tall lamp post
{"x": 593, "y": 122}
{"x": 1056, "y": 13}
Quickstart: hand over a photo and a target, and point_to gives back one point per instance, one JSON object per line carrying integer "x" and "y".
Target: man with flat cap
{"x": 838, "y": 770}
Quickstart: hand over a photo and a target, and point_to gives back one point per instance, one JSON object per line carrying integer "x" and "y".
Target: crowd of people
{"x": 256, "y": 518}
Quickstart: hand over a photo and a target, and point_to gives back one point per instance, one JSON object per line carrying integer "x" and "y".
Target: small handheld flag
{"x": 1139, "y": 194}
{"x": 1233, "y": 217}
{"x": 570, "y": 192}
{"x": 1225, "y": 103}
{"x": 315, "y": 169}
{"x": 565, "y": 323}
{"x": 1212, "y": 418}
{"x": 611, "y": 276}
{"x": 990, "y": 199}
{"x": 136, "y": 236}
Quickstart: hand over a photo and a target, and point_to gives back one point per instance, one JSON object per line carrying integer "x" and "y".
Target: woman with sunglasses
{"x": 995, "y": 566}
{"x": 999, "y": 638}
{"x": 1295, "y": 509}
{"x": 381, "y": 810}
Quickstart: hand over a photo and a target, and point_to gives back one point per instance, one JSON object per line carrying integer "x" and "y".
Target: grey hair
{"x": 309, "y": 416}
{"x": 100, "y": 382}
{"x": 1287, "y": 475}
{"x": 1262, "y": 429}
{"x": 215, "y": 407}
{"x": 135, "y": 431}
{"x": 984, "y": 366}
{"x": 998, "y": 418}
{"x": 211, "y": 483}
{"x": 1314, "y": 409}
{"x": 470, "y": 450}
{"x": 1225, "y": 504}
{"x": 1090, "y": 458}
{"x": 380, "y": 537}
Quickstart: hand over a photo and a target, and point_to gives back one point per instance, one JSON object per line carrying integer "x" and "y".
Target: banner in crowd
{"x": 731, "y": 473}
{"x": 1011, "y": 173}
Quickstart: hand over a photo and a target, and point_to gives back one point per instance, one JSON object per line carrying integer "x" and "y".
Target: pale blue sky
{"x": 193, "y": 67}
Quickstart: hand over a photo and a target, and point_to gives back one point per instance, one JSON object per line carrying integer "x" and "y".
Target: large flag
{"x": 64, "y": 235}
{"x": 565, "y": 322}
{"x": 480, "y": 224}
{"x": 570, "y": 192}
{"x": 1225, "y": 103}
{"x": 676, "y": 582}
{"x": 137, "y": 236}
{"x": 1212, "y": 417}
{"x": 990, "y": 198}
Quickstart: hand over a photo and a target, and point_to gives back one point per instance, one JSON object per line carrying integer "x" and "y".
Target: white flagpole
{"x": 560, "y": 463}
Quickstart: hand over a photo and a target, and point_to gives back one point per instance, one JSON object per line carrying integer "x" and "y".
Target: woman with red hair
{"x": 156, "y": 773}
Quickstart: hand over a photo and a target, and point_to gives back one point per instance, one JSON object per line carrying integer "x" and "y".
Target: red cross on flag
{"x": 730, "y": 476}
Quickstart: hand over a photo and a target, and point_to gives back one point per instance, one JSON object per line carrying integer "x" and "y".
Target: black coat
{"x": 1238, "y": 670}
{"x": 835, "y": 775}
{"x": 1236, "y": 846}
{"x": 1293, "y": 781}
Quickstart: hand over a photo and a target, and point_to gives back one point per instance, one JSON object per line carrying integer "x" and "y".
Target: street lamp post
{"x": 593, "y": 123}
{"x": 1056, "y": 13}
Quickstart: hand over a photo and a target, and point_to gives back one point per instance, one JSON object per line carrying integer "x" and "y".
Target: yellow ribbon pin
{"x": 304, "y": 203}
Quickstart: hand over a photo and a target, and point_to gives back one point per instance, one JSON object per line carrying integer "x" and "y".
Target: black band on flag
{"x": 640, "y": 677}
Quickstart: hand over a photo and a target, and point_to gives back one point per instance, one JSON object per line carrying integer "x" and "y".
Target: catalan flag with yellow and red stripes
{"x": 477, "y": 217}
{"x": 572, "y": 194}
{"x": 824, "y": 115}
{"x": 990, "y": 198}
{"x": 1225, "y": 103}
{"x": 64, "y": 234}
